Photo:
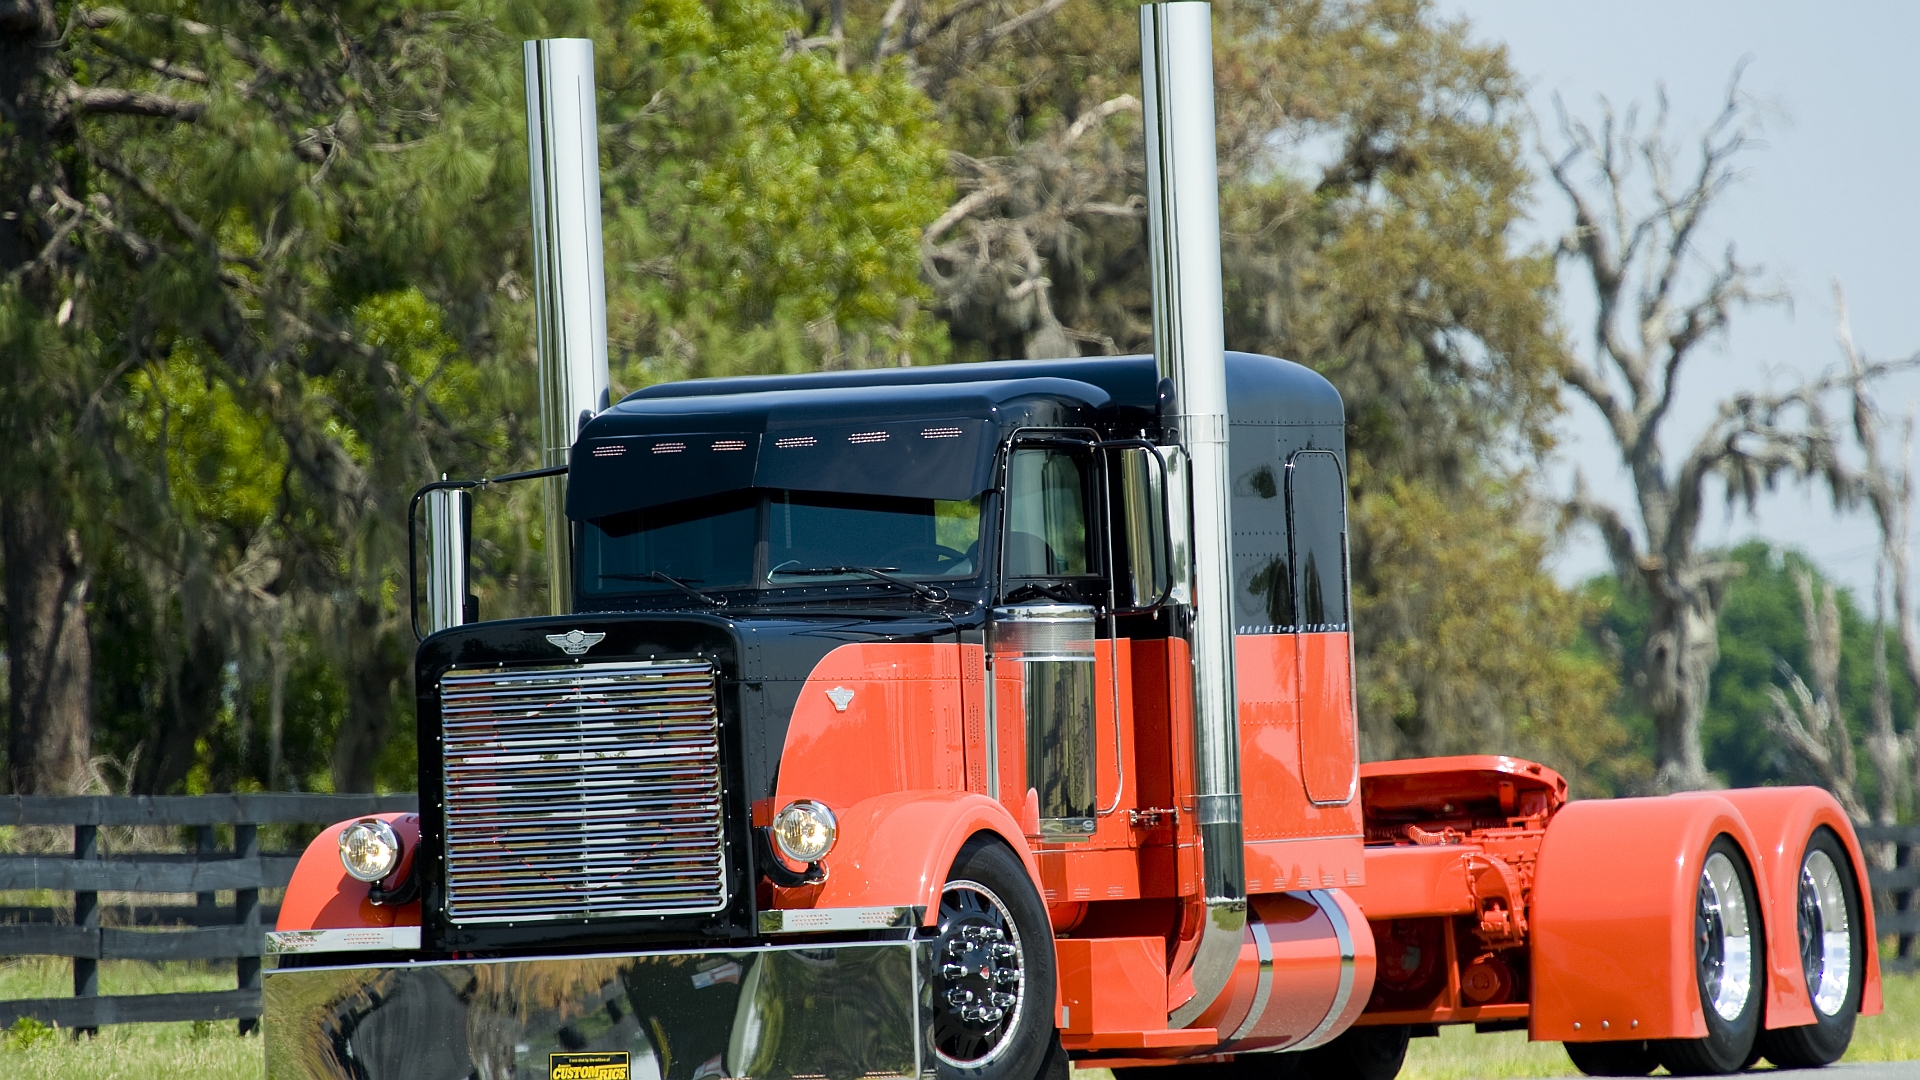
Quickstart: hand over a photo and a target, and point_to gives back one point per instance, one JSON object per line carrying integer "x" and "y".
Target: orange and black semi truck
{"x": 985, "y": 721}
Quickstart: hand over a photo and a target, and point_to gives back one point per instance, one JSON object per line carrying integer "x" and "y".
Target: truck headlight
{"x": 805, "y": 831}
{"x": 369, "y": 849}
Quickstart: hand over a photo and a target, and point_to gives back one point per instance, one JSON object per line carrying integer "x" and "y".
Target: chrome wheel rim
{"x": 1723, "y": 944}
{"x": 979, "y": 981}
{"x": 1826, "y": 938}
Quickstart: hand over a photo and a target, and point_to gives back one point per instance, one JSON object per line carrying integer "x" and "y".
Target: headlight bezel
{"x": 814, "y": 817}
{"x": 382, "y": 833}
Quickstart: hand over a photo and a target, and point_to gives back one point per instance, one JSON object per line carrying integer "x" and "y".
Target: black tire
{"x": 1632, "y": 1058}
{"x": 1360, "y": 1053}
{"x": 1725, "y": 904}
{"x": 993, "y": 980}
{"x": 1835, "y": 994}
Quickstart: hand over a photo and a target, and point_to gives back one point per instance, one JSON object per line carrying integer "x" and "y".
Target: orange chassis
{"x": 1419, "y": 892}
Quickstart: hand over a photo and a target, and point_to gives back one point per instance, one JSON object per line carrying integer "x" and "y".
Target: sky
{"x": 1830, "y": 194}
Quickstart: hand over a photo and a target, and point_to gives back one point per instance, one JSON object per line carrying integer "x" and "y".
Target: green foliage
{"x": 303, "y": 292}
{"x": 27, "y": 1033}
{"x": 1762, "y": 630}
{"x": 764, "y": 207}
{"x": 1487, "y": 656}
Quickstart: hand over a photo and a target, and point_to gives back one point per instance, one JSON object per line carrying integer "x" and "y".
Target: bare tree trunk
{"x": 50, "y": 675}
{"x": 194, "y": 698}
{"x": 1683, "y": 646}
{"x": 1811, "y": 724}
{"x": 376, "y": 664}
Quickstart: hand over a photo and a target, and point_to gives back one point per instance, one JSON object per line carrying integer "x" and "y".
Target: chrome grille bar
{"x": 583, "y": 791}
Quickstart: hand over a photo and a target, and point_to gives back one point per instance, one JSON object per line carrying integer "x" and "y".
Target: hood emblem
{"x": 841, "y": 698}
{"x": 576, "y": 642}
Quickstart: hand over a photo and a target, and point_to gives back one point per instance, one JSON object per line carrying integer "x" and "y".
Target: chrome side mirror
{"x": 449, "y": 520}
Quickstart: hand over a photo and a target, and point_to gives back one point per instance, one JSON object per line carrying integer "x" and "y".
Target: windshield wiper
{"x": 930, "y": 592}
{"x": 669, "y": 579}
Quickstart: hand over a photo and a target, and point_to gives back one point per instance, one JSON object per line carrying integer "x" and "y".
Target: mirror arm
{"x": 413, "y": 513}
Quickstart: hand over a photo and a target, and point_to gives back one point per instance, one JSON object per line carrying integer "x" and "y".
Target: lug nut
{"x": 954, "y": 971}
{"x": 1004, "y": 952}
{"x": 1002, "y": 1001}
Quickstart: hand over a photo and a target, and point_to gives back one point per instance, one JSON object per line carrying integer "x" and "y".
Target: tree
{"x": 266, "y": 274}
{"x": 1634, "y": 238}
{"x": 1885, "y": 484}
{"x": 1782, "y": 623}
{"x": 1386, "y": 261}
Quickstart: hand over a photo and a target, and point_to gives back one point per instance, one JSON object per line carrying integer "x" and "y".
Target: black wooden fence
{"x": 205, "y": 930}
{"x": 200, "y": 931}
{"x": 1896, "y": 892}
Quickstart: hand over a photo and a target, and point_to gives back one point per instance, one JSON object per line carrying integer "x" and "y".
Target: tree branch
{"x": 101, "y": 99}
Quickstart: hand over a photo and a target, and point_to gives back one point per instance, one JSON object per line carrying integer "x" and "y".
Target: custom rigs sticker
{"x": 601, "y": 1065}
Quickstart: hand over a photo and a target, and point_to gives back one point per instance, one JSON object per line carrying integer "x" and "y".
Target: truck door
{"x": 1317, "y": 542}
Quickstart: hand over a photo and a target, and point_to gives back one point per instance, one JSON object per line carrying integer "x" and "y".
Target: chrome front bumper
{"x": 842, "y": 1010}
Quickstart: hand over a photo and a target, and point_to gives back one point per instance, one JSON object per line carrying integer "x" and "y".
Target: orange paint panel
{"x": 1273, "y": 783}
{"x": 1406, "y": 882}
{"x": 1312, "y": 863}
{"x": 1329, "y": 729}
{"x": 323, "y": 896}
{"x": 1111, "y": 984}
{"x": 1612, "y": 918}
{"x": 1077, "y": 873}
{"x": 902, "y": 729}
{"x": 895, "y": 850}
{"x": 1783, "y": 820}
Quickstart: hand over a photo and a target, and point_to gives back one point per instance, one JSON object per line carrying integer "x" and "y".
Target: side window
{"x": 1047, "y": 514}
{"x": 1317, "y": 521}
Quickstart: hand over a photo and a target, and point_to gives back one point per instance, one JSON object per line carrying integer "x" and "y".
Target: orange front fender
{"x": 1612, "y": 919}
{"x": 323, "y": 896}
{"x": 895, "y": 850}
{"x": 1782, "y": 819}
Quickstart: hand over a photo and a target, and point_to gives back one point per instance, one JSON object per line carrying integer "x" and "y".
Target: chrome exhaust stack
{"x": 1189, "y": 344}
{"x": 569, "y": 276}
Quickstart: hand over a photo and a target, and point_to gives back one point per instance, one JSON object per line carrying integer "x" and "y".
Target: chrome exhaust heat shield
{"x": 834, "y": 1010}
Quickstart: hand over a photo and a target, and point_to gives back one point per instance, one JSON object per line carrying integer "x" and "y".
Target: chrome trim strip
{"x": 353, "y": 939}
{"x": 1344, "y": 934}
{"x": 1263, "y": 945}
{"x": 825, "y": 920}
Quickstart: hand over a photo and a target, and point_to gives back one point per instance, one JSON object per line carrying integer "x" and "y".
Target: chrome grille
{"x": 590, "y": 790}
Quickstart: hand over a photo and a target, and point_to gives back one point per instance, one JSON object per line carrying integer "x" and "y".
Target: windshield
{"x": 760, "y": 539}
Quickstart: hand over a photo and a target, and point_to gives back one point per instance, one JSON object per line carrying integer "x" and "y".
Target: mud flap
{"x": 846, "y": 1010}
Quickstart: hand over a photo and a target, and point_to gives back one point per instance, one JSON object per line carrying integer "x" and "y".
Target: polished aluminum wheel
{"x": 1826, "y": 939}
{"x": 1723, "y": 941}
{"x": 979, "y": 976}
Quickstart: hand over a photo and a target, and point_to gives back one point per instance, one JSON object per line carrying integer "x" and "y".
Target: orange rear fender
{"x": 1782, "y": 820}
{"x": 1612, "y": 919}
{"x": 323, "y": 896}
{"x": 895, "y": 850}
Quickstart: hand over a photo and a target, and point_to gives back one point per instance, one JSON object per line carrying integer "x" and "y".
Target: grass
{"x": 125, "y": 1051}
{"x": 213, "y": 1051}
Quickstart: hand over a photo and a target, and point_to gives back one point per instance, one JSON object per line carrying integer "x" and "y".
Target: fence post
{"x": 205, "y": 844}
{"x": 86, "y": 915}
{"x": 1905, "y": 856}
{"x": 246, "y": 912}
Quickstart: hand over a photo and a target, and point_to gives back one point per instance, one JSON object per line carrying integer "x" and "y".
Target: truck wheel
{"x": 993, "y": 981}
{"x": 1832, "y": 954}
{"x": 1634, "y": 1058}
{"x": 1729, "y": 953}
{"x": 1360, "y": 1053}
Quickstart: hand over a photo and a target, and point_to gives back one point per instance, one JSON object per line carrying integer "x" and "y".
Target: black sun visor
{"x": 925, "y": 459}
